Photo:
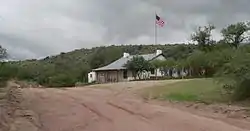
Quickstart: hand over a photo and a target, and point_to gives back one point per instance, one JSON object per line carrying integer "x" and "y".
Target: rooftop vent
{"x": 158, "y": 52}
{"x": 126, "y": 55}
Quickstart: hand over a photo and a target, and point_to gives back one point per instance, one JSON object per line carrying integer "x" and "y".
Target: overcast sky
{"x": 37, "y": 28}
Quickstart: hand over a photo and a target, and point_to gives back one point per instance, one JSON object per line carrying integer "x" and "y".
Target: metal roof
{"x": 119, "y": 64}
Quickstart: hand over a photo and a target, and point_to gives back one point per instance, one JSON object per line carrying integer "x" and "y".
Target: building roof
{"x": 119, "y": 64}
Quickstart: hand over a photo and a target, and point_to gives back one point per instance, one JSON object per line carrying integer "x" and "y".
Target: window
{"x": 125, "y": 74}
{"x": 90, "y": 75}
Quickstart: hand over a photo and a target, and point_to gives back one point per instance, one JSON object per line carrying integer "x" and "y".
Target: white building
{"x": 91, "y": 77}
{"x": 116, "y": 72}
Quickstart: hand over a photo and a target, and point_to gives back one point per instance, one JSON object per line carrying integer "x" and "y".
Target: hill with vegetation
{"x": 227, "y": 59}
{"x": 66, "y": 69}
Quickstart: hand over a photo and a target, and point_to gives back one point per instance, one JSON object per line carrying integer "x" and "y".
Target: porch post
{"x": 117, "y": 76}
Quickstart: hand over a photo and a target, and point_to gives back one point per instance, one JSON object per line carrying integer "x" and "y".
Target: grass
{"x": 199, "y": 90}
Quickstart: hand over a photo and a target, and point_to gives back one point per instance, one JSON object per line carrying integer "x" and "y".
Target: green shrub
{"x": 61, "y": 80}
{"x": 7, "y": 71}
{"x": 235, "y": 74}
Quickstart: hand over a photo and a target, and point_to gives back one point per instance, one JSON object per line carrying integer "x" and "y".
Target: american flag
{"x": 159, "y": 21}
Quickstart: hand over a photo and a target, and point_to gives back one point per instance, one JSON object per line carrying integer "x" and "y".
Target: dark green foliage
{"x": 3, "y": 52}
{"x": 138, "y": 64}
{"x": 97, "y": 61}
{"x": 7, "y": 71}
{"x": 234, "y": 33}
{"x": 179, "y": 51}
{"x": 203, "y": 38}
{"x": 61, "y": 80}
{"x": 236, "y": 74}
{"x": 103, "y": 56}
{"x": 4, "y": 72}
{"x": 68, "y": 68}
{"x": 157, "y": 64}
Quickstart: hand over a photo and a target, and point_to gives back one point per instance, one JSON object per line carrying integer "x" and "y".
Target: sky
{"x": 38, "y": 28}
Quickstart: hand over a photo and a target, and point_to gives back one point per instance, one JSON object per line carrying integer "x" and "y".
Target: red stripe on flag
{"x": 160, "y": 22}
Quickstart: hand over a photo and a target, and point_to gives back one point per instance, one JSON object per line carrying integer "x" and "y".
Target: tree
{"x": 197, "y": 62}
{"x": 236, "y": 74}
{"x": 234, "y": 33}
{"x": 137, "y": 65}
{"x": 179, "y": 51}
{"x": 3, "y": 53}
{"x": 170, "y": 63}
{"x": 217, "y": 58}
{"x": 157, "y": 64}
{"x": 203, "y": 37}
{"x": 96, "y": 61}
{"x": 104, "y": 56}
{"x": 7, "y": 71}
{"x": 3, "y": 69}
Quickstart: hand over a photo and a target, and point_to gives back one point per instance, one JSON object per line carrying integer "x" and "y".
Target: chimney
{"x": 158, "y": 52}
{"x": 125, "y": 55}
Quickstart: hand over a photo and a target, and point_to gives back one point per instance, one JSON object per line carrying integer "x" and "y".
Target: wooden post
{"x": 117, "y": 76}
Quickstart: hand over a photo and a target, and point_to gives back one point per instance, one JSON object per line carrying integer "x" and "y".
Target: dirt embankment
{"x": 13, "y": 114}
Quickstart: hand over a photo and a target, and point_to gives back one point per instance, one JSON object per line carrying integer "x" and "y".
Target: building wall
{"x": 91, "y": 77}
{"x": 107, "y": 76}
{"x": 157, "y": 73}
{"x": 112, "y": 76}
{"x": 118, "y": 76}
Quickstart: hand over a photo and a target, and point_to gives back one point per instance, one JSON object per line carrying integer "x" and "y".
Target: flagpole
{"x": 155, "y": 29}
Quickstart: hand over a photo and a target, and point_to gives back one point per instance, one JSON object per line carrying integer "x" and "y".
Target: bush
{"x": 61, "y": 80}
{"x": 235, "y": 74}
{"x": 7, "y": 71}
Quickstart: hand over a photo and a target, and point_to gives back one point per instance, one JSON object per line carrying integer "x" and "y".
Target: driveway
{"x": 113, "y": 107}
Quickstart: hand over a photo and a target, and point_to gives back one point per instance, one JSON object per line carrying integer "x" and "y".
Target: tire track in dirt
{"x": 119, "y": 107}
{"x": 91, "y": 109}
{"x": 114, "y": 107}
{"x": 43, "y": 97}
{"x": 96, "y": 112}
{"x": 103, "y": 110}
{"x": 91, "y": 122}
{"x": 128, "y": 111}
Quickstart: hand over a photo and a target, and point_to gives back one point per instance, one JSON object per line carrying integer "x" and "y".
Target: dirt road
{"x": 110, "y": 109}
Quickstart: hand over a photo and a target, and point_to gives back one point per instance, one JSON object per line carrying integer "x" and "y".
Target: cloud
{"x": 35, "y": 28}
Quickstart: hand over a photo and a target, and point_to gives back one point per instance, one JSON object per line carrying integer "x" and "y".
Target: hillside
{"x": 66, "y": 69}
